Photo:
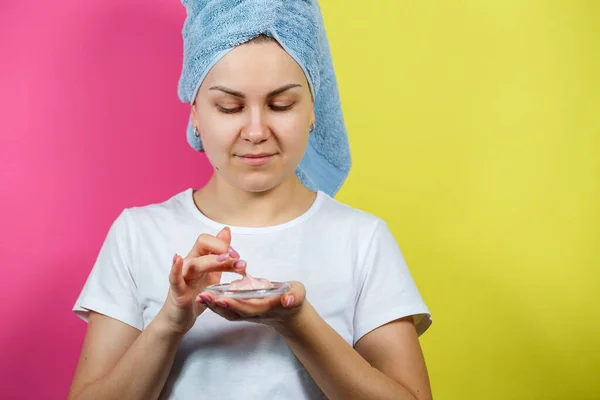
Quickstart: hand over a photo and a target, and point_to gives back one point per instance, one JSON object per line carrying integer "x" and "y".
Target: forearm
{"x": 142, "y": 371}
{"x": 336, "y": 367}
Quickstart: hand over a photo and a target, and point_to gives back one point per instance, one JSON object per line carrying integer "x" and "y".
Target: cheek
{"x": 294, "y": 139}
{"x": 216, "y": 147}
{"x": 292, "y": 136}
{"x": 217, "y": 133}
{"x": 294, "y": 126}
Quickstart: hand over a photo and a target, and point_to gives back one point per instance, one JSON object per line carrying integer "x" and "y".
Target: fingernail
{"x": 174, "y": 258}
{"x": 239, "y": 264}
{"x": 233, "y": 253}
{"x": 222, "y": 257}
{"x": 205, "y": 299}
{"x": 289, "y": 301}
{"x": 221, "y": 304}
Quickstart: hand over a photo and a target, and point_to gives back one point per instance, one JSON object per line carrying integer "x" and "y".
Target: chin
{"x": 257, "y": 187}
{"x": 258, "y": 183}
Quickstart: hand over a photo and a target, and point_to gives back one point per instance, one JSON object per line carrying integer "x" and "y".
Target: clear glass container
{"x": 222, "y": 290}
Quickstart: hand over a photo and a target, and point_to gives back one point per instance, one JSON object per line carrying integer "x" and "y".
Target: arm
{"x": 117, "y": 361}
{"x": 396, "y": 370}
{"x": 120, "y": 362}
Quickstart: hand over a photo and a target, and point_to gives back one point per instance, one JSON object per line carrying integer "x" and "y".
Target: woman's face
{"x": 254, "y": 112}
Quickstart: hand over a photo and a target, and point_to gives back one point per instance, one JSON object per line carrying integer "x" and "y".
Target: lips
{"x": 261, "y": 155}
{"x": 256, "y": 159}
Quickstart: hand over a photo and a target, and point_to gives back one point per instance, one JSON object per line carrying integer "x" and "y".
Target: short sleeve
{"x": 110, "y": 288}
{"x": 387, "y": 290}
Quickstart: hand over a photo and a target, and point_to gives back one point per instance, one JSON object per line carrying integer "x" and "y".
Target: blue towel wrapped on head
{"x": 214, "y": 27}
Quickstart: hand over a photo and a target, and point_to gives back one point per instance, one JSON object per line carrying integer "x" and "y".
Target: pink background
{"x": 90, "y": 124}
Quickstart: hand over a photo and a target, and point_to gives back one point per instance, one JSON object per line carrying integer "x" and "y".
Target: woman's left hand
{"x": 280, "y": 312}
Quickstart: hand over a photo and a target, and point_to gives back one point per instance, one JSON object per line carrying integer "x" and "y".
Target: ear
{"x": 194, "y": 115}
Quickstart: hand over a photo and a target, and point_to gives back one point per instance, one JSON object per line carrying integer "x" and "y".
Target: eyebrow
{"x": 243, "y": 96}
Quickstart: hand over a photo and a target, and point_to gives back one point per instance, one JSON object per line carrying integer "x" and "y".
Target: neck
{"x": 232, "y": 206}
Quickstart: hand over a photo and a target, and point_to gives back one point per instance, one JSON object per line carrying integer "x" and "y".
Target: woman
{"x": 348, "y": 327}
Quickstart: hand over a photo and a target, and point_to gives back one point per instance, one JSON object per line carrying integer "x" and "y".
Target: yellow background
{"x": 475, "y": 129}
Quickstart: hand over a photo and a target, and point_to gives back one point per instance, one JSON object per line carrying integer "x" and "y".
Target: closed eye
{"x": 234, "y": 110}
{"x": 281, "y": 108}
{"x": 230, "y": 110}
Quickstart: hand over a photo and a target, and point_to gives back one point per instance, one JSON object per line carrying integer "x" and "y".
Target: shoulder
{"x": 350, "y": 220}
{"x": 135, "y": 221}
{"x": 165, "y": 210}
{"x": 335, "y": 209}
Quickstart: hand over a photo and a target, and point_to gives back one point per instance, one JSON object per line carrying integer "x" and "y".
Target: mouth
{"x": 256, "y": 159}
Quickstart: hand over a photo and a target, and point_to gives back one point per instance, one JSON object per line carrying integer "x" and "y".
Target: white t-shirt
{"x": 355, "y": 277}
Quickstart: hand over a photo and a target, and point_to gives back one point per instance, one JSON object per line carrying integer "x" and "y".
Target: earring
{"x": 312, "y": 128}
{"x": 196, "y": 133}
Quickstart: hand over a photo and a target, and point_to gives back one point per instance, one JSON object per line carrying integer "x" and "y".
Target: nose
{"x": 256, "y": 130}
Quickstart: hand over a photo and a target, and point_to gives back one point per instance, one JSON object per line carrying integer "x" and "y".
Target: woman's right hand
{"x": 189, "y": 276}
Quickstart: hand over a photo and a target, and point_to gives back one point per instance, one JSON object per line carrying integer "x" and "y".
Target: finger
{"x": 229, "y": 315}
{"x": 202, "y": 302}
{"x": 212, "y": 278}
{"x": 295, "y": 296}
{"x": 225, "y": 234}
{"x": 250, "y": 307}
{"x": 208, "y": 244}
{"x": 226, "y": 306}
{"x": 207, "y": 298}
{"x": 175, "y": 276}
{"x": 198, "y": 266}
{"x": 255, "y": 307}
